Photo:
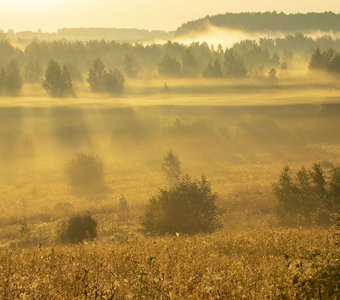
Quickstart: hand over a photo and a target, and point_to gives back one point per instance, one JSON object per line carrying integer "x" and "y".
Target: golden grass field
{"x": 239, "y": 134}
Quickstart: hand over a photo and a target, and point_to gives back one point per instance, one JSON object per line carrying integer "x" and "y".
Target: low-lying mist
{"x": 213, "y": 35}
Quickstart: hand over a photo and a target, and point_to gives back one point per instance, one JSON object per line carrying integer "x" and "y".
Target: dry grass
{"x": 224, "y": 265}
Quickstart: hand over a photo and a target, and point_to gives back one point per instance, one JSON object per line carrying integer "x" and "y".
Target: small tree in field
{"x": 78, "y": 228}
{"x": 188, "y": 207}
{"x": 85, "y": 172}
{"x": 58, "y": 81}
{"x": 171, "y": 167}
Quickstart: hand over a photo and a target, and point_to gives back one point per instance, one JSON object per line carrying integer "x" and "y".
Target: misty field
{"x": 238, "y": 136}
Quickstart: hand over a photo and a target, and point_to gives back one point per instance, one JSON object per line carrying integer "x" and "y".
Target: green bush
{"x": 78, "y": 228}
{"x": 188, "y": 207}
{"x": 85, "y": 172}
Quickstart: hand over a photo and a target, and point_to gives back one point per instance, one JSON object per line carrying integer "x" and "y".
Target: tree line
{"x": 104, "y": 65}
{"x": 143, "y": 60}
{"x": 267, "y": 21}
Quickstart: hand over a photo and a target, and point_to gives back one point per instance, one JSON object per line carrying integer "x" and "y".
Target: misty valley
{"x": 200, "y": 163}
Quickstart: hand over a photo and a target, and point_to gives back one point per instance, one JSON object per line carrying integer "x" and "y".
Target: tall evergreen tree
{"x": 190, "y": 64}
{"x": 67, "y": 81}
{"x": 213, "y": 70}
{"x": 13, "y": 82}
{"x": 169, "y": 66}
{"x": 2, "y": 80}
{"x": 96, "y": 76}
{"x": 233, "y": 65}
{"x": 32, "y": 72}
{"x": 130, "y": 68}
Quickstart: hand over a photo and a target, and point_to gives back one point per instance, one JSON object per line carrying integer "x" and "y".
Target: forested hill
{"x": 269, "y": 21}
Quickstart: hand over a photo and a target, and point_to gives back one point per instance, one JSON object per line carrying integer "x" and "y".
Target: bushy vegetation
{"x": 85, "y": 172}
{"x": 78, "y": 228}
{"x": 309, "y": 197}
{"x": 188, "y": 207}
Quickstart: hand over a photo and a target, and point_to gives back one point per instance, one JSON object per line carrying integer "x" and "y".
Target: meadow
{"x": 239, "y": 134}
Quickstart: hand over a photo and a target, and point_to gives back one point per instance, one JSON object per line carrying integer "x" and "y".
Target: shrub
{"x": 171, "y": 167}
{"x": 85, "y": 172}
{"x": 188, "y": 207}
{"x": 78, "y": 228}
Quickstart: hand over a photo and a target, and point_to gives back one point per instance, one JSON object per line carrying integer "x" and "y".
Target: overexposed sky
{"x": 49, "y": 15}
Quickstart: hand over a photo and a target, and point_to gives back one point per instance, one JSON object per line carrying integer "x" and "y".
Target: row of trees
{"x": 311, "y": 196}
{"x": 57, "y": 80}
{"x": 143, "y": 60}
{"x": 232, "y": 66}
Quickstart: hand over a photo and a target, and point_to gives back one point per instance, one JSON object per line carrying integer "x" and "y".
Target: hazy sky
{"x": 50, "y": 15}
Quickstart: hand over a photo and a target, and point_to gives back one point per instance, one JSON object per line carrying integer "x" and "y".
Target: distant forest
{"x": 169, "y": 59}
{"x": 268, "y": 21}
{"x": 85, "y": 34}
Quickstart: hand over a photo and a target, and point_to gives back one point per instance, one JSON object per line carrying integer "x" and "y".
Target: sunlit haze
{"x": 50, "y": 15}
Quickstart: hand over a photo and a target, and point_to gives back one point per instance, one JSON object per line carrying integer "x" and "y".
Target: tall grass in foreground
{"x": 225, "y": 265}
